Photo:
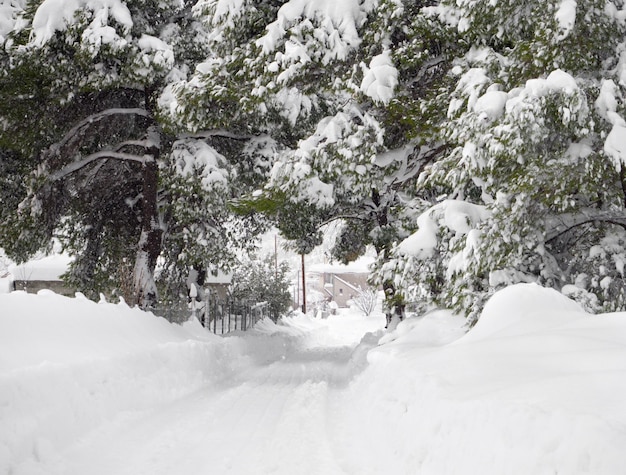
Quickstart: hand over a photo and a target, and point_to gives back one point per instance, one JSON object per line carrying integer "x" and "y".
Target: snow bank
{"x": 69, "y": 365}
{"x": 536, "y": 387}
{"x": 524, "y": 308}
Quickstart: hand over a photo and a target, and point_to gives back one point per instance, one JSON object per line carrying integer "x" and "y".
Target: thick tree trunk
{"x": 149, "y": 246}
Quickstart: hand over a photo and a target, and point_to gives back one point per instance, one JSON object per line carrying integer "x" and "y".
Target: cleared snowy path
{"x": 270, "y": 416}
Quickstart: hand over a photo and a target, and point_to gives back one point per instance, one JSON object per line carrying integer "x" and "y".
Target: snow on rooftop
{"x": 360, "y": 266}
{"x": 48, "y": 268}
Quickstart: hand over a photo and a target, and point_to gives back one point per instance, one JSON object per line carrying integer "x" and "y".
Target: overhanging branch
{"x": 207, "y": 134}
{"x": 106, "y": 154}
{"x": 77, "y": 132}
{"x": 558, "y": 225}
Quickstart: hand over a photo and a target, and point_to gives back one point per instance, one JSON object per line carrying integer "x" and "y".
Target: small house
{"x": 39, "y": 274}
{"x": 340, "y": 283}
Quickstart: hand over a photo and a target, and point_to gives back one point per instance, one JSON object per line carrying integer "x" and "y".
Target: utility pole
{"x": 303, "y": 286}
{"x": 276, "y": 256}
{"x": 296, "y": 297}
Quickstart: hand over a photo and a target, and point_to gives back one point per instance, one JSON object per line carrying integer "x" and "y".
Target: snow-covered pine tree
{"x": 532, "y": 128}
{"x": 347, "y": 93}
{"x": 80, "y": 86}
{"x": 260, "y": 280}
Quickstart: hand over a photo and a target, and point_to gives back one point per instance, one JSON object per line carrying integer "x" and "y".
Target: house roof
{"x": 49, "y": 268}
{"x": 360, "y": 266}
{"x": 348, "y": 284}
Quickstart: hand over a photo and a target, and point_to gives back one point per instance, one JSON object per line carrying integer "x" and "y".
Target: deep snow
{"x": 98, "y": 388}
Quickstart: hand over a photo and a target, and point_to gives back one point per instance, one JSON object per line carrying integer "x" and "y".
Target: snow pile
{"x": 536, "y": 387}
{"x": 566, "y": 17}
{"x": 493, "y": 103}
{"x": 9, "y": 12}
{"x": 197, "y": 158}
{"x": 380, "y": 78}
{"x": 336, "y": 25}
{"x": 68, "y": 365}
{"x": 607, "y": 106}
{"x": 458, "y": 217}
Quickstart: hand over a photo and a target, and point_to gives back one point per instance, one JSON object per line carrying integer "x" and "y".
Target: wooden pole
{"x": 276, "y": 256}
{"x": 303, "y": 286}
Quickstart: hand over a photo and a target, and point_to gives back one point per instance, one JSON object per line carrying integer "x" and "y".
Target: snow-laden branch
{"x": 207, "y": 134}
{"x": 135, "y": 143}
{"x": 412, "y": 164}
{"x": 558, "y": 225}
{"x": 429, "y": 64}
{"x": 81, "y": 127}
{"x": 105, "y": 154}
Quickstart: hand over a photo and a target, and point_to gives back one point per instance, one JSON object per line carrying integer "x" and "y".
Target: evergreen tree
{"x": 80, "y": 88}
{"x": 474, "y": 144}
{"x": 346, "y": 94}
{"x": 261, "y": 280}
{"x": 531, "y": 130}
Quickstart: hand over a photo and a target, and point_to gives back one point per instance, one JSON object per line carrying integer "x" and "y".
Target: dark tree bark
{"x": 149, "y": 246}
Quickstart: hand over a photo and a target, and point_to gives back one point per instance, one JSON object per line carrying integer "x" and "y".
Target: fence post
{"x": 207, "y": 316}
{"x": 215, "y": 313}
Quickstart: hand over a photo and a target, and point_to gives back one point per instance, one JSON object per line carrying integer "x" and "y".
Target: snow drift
{"x": 68, "y": 365}
{"x": 536, "y": 387}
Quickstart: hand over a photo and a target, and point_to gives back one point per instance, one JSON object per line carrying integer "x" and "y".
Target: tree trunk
{"x": 149, "y": 246}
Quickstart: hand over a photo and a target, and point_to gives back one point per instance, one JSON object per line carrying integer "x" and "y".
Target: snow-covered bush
{"x": 366, "y": 301}
{"x": 260, "y": 280}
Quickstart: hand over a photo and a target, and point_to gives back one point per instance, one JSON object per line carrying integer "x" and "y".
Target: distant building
{"x": 40, "y": 274}
{"x": 218, "y": 284}
{"x": 340, "y": 283}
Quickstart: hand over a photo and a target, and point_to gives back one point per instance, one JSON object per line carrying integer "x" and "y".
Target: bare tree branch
{"x": 94, "y": 118}
{"x": 133, "y": 143}
{"x": 77, "y": 132}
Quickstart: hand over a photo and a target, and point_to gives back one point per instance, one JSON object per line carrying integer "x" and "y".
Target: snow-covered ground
{"x": 86, "y": 388}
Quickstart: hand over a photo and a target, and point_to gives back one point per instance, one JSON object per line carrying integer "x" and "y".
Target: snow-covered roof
{"x": 49, "y": 268}
{"x": 360, "y": 266}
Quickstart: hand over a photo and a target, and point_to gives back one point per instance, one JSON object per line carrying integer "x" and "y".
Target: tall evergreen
{"x": 473, "y": 144}
{"x": 80, "y": 88}
{"x": 531, "y": 130}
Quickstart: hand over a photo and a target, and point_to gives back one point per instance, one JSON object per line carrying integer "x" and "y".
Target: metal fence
{"x": 224, "y": 316}
{"x": 221, "y": 316}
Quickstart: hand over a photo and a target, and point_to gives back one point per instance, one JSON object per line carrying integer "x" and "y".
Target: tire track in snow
{"x": 270, "y": 419}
